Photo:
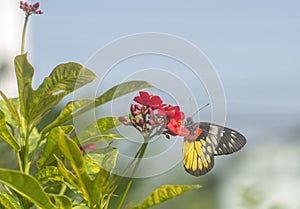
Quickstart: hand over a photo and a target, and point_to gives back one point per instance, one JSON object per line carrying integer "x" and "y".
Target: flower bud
{"x": 151, "y": 122}
{"x": 123, "y": 120}
{"x": 137, "y": 106}
{"x": 36, "y": 5}
{"x": 141, "y": 121}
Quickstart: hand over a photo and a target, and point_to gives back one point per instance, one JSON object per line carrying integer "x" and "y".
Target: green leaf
{"x": 96, "y": 131}
{"x": 102, "y": 137}
{"x": 9, "y": 117}
{"x": 66, "y": 114}
{"x": 62, "y": 201}
{"x": 51, "y": 147}
{"x": 27, "y": 186}
{"x": 69, "y": 176}
{"x": 5, "y": 133}
{"x": 105, "y": 159}
{"x": 75, "y": 108}
{"x": 50, "y": 173}
{"x": 64, "y": 79}
{"x": 73, "y": 154}
{"x": 24, "y": 73}
{"x": 8, "y": 201}
{"x": 164, "y": 193}
{"x": 90, "y": 188}
{"x": 12, "y": 107}
{"x": 120, "y": 90}
{"x": 33, "y": 141}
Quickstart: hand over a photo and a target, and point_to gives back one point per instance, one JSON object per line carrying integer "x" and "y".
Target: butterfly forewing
{"x": 199, "y": 151}
{"x": 225, "y": 140}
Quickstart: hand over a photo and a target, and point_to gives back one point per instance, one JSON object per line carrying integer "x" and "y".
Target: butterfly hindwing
{"x": 205, "y": 141}
{"x": 198, "y": 157}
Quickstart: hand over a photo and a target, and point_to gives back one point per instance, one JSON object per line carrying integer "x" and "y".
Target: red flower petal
{"x": 149, "y": 100}
{"x": 155, "y": 102}
{"x": 172, "y": 129}
{"x": 145, "y": 95}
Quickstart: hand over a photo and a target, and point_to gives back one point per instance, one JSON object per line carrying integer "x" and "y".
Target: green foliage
{"x": 24, "y": 72}
{"x": 64, "y": 79}
{"x": 10, "y": 108}
{"x": 88, "y": 176}
{"x": 51, "y": 147}
{"x": 27, "y": 186}
{"x": 164, "y": 193}
{"x": 49, "y": 173}
{"x": 62, "y": 201}
{"x": 6, "y": 134}
{"x": 105, "y": 158}
{"x": 89, "y": 187}
{"x": 8, "y": 201}
{"x": 99, "y": 130}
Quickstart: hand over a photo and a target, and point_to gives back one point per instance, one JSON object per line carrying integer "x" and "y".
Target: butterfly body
{"x": 205, "y": 141}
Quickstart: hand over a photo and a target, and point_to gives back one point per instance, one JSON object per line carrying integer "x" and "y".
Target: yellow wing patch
{"x": 198, "y": 156}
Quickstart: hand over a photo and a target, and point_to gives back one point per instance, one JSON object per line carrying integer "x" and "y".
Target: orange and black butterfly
{"x": 205, "y": 141}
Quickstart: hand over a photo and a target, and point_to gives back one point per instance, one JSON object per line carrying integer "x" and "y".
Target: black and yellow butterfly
{"x": 205, "y": 141}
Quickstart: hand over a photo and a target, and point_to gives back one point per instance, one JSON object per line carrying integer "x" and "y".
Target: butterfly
{"x": 205, "y": 141}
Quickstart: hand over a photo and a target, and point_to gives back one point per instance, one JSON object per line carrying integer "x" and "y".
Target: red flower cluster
{"x": 150, "y": 114}
{"x": 30, "y": 8}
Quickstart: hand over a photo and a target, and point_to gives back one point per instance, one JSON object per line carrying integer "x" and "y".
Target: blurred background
{"x": 255, "y": 48}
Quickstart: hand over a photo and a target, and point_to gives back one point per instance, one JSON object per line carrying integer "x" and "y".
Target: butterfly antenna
{"x": 201, "y": 108}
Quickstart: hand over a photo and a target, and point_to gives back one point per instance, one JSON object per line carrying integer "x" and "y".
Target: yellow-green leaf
{"x": 51, "y": 147}
{"x": 72, "y": 153}
{"x": 24, "y": 73}
{"x": 33, "y": 141}
{"x": 5, "y": 133}
{"x": 12, "y": 107}
{"x": 27, "y": 186}
{"x": 96, "y": 130}
{"x": 64, "y": 79}
{"x": 105, "y": 159}
{"x": 62, "y": 201}
{"x": 67, "y": 113}
{"x": 164, "y": 193}
{"x": 10, "y": 119}
{"x": 68, "y": 175}
{"x": 50, "y": 173}
{"x": 8, "y": 201}
{"x": 120, "y": 90}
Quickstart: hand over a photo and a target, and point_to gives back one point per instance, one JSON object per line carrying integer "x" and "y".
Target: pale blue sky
{"x": 254, "y": 46}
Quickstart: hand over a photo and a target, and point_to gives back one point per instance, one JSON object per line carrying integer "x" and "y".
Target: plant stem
{"x": 24, "y": 135}
{"x": 27, "y": 134}
{"x": 19, "y": 161}
{"x": 24, "y": 34}
{"x": 140, "y": 155}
